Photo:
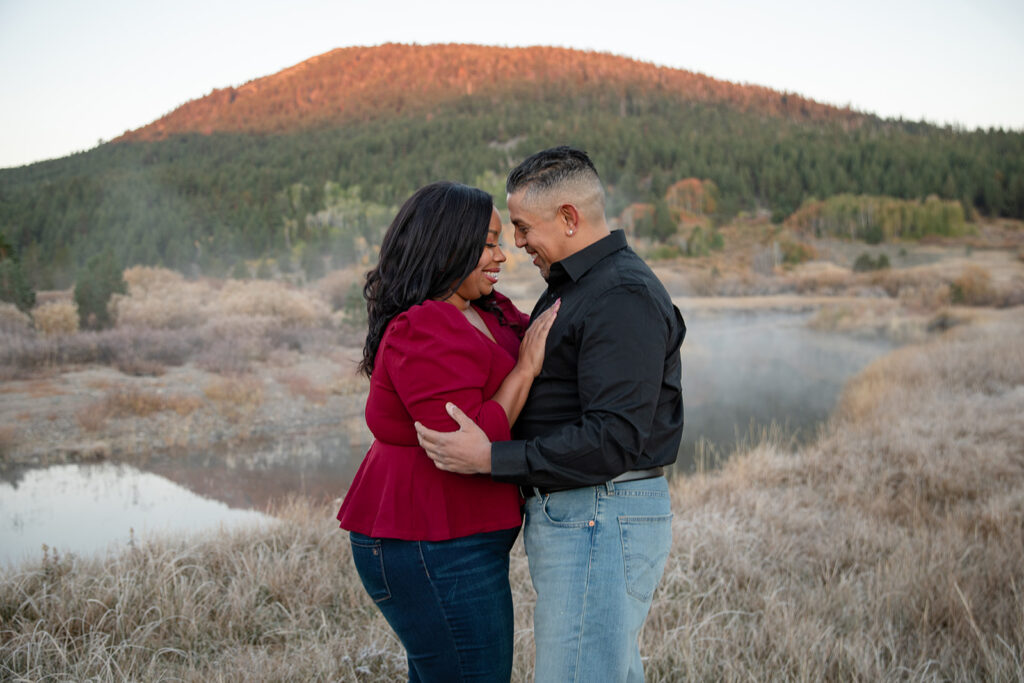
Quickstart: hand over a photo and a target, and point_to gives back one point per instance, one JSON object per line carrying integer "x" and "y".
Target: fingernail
{"x": 449, "y": 407}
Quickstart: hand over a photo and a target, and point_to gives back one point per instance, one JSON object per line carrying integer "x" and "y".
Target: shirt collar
{"x": 576, "y": 265}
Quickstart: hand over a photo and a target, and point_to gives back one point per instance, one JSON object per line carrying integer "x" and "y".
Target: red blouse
{"x": 430, "y": 355}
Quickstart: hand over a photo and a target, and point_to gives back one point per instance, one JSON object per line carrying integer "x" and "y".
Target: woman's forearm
{"x": 512, "y": 393}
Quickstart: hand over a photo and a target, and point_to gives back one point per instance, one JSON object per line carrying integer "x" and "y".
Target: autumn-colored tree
{"x": 692, "y": 196}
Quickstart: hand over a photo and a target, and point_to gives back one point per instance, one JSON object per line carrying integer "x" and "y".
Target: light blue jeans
{"x": 596, "y": 555}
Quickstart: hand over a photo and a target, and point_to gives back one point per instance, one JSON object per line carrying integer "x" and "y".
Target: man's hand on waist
{"x": 465, "y": 451}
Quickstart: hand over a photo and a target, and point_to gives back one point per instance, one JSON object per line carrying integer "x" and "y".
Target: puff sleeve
{"x": 435, "y": 356}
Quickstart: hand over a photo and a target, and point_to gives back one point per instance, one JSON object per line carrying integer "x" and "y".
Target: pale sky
{"x": 75, "y": 72}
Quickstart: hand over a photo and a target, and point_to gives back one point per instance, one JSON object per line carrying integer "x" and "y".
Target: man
{"x": 602, "y": 419}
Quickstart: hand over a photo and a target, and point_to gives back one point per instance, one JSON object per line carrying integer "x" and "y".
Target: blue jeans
{"x": 596, "y": 555}
{"x": 449, "y": 602}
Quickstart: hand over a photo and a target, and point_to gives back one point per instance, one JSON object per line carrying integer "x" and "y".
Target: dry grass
{"x": 890, "y": 549}
{"x": 888, "y": 319}
{"x": 235, "y": 397}
{"x": 37, "y": 388}
{"x": 8, "y": 437}
{"x": 301, "y": 385}
{"x": 350, "y": 383}
{"x": 277, "y": 605}
{"x": 133, "y": 402}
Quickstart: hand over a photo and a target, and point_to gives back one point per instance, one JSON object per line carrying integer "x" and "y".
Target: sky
{"x": 74, "y": 73}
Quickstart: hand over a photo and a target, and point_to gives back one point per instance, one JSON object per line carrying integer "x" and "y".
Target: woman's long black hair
{"x": 430, "y": 248}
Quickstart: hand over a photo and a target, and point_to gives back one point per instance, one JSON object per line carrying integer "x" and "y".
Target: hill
{"x": 358, "y": 83}
{"x": 314, "y": 159}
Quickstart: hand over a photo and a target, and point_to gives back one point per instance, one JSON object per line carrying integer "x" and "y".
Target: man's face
{"x": 540, "y": 231}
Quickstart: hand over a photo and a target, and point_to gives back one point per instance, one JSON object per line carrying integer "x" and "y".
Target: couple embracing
{"x": 484, "y": 417}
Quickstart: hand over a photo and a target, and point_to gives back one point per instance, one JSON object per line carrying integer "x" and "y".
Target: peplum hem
{"x": 395, "y": 480}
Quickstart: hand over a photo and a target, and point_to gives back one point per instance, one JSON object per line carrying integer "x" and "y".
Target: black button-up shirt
{"x": 609, "y": 396}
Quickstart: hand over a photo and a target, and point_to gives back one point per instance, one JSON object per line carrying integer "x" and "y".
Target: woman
{"x": 431, "y": 547}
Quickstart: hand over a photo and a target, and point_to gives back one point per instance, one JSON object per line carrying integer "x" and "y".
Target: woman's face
{"x": 483, "y": 278}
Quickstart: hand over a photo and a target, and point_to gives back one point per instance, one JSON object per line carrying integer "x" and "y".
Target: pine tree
{"x": 101, "y": 278}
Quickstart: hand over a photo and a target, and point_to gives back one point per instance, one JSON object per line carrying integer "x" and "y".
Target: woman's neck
{"x": 458, "y": 302}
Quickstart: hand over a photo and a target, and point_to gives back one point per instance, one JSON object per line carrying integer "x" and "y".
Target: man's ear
{"x": 570, "y": 218}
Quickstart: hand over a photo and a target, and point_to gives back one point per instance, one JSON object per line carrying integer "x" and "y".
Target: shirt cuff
{"x": 508, "y": 461}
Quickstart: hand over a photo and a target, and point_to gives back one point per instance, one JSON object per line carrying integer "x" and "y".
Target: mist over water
{"x": 744, "y": 372}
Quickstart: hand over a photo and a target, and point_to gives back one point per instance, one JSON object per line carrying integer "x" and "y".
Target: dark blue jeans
{"x": 449, "y": 602}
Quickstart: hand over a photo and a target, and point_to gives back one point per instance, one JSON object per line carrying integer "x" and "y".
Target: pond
{"x": 741, "y": 373}
{"x": 84, "y": 508}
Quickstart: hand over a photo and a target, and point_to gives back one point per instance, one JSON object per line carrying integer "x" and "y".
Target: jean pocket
{"x": 569, "y": 509}
{"x": 368, "y": 557}
{"x": 645, "y": 546}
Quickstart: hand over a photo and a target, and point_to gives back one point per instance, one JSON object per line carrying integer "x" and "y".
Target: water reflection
{"x": 85, "y": 508}
{"x": 318, "y": 464}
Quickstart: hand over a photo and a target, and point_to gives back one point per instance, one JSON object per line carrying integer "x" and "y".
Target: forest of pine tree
{"x": 195, "y": 200}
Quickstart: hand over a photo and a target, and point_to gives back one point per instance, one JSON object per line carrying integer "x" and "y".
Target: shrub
{"x": 56, "y": 318}
{"x": 660, "y": 252}
{"x": 866, "y": 263}
{"x": 795, "y": 253}
{"x": 163, "y": 299}
{"x": 240, "y": 271}
{"x": 263, "y": 270}
{"x": 97, "y": 283}
{"x": 973, "y": 287}
{"x": 312, "y": 261}
{"x": 13, "y": 320}
{"x": 273, "y": 299}
{"x": 336, "y": 287}
{"x": 697, "y": 243}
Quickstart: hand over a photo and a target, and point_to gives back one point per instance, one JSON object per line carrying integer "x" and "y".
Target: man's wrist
{"x": 508, "y": 461}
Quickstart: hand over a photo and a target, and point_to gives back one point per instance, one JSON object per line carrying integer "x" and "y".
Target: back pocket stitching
{"x": 624, "y": 522}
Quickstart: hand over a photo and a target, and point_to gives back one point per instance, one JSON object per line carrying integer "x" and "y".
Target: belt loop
{"x": 610, "y": 487}
{"x": 536, "y": 492}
